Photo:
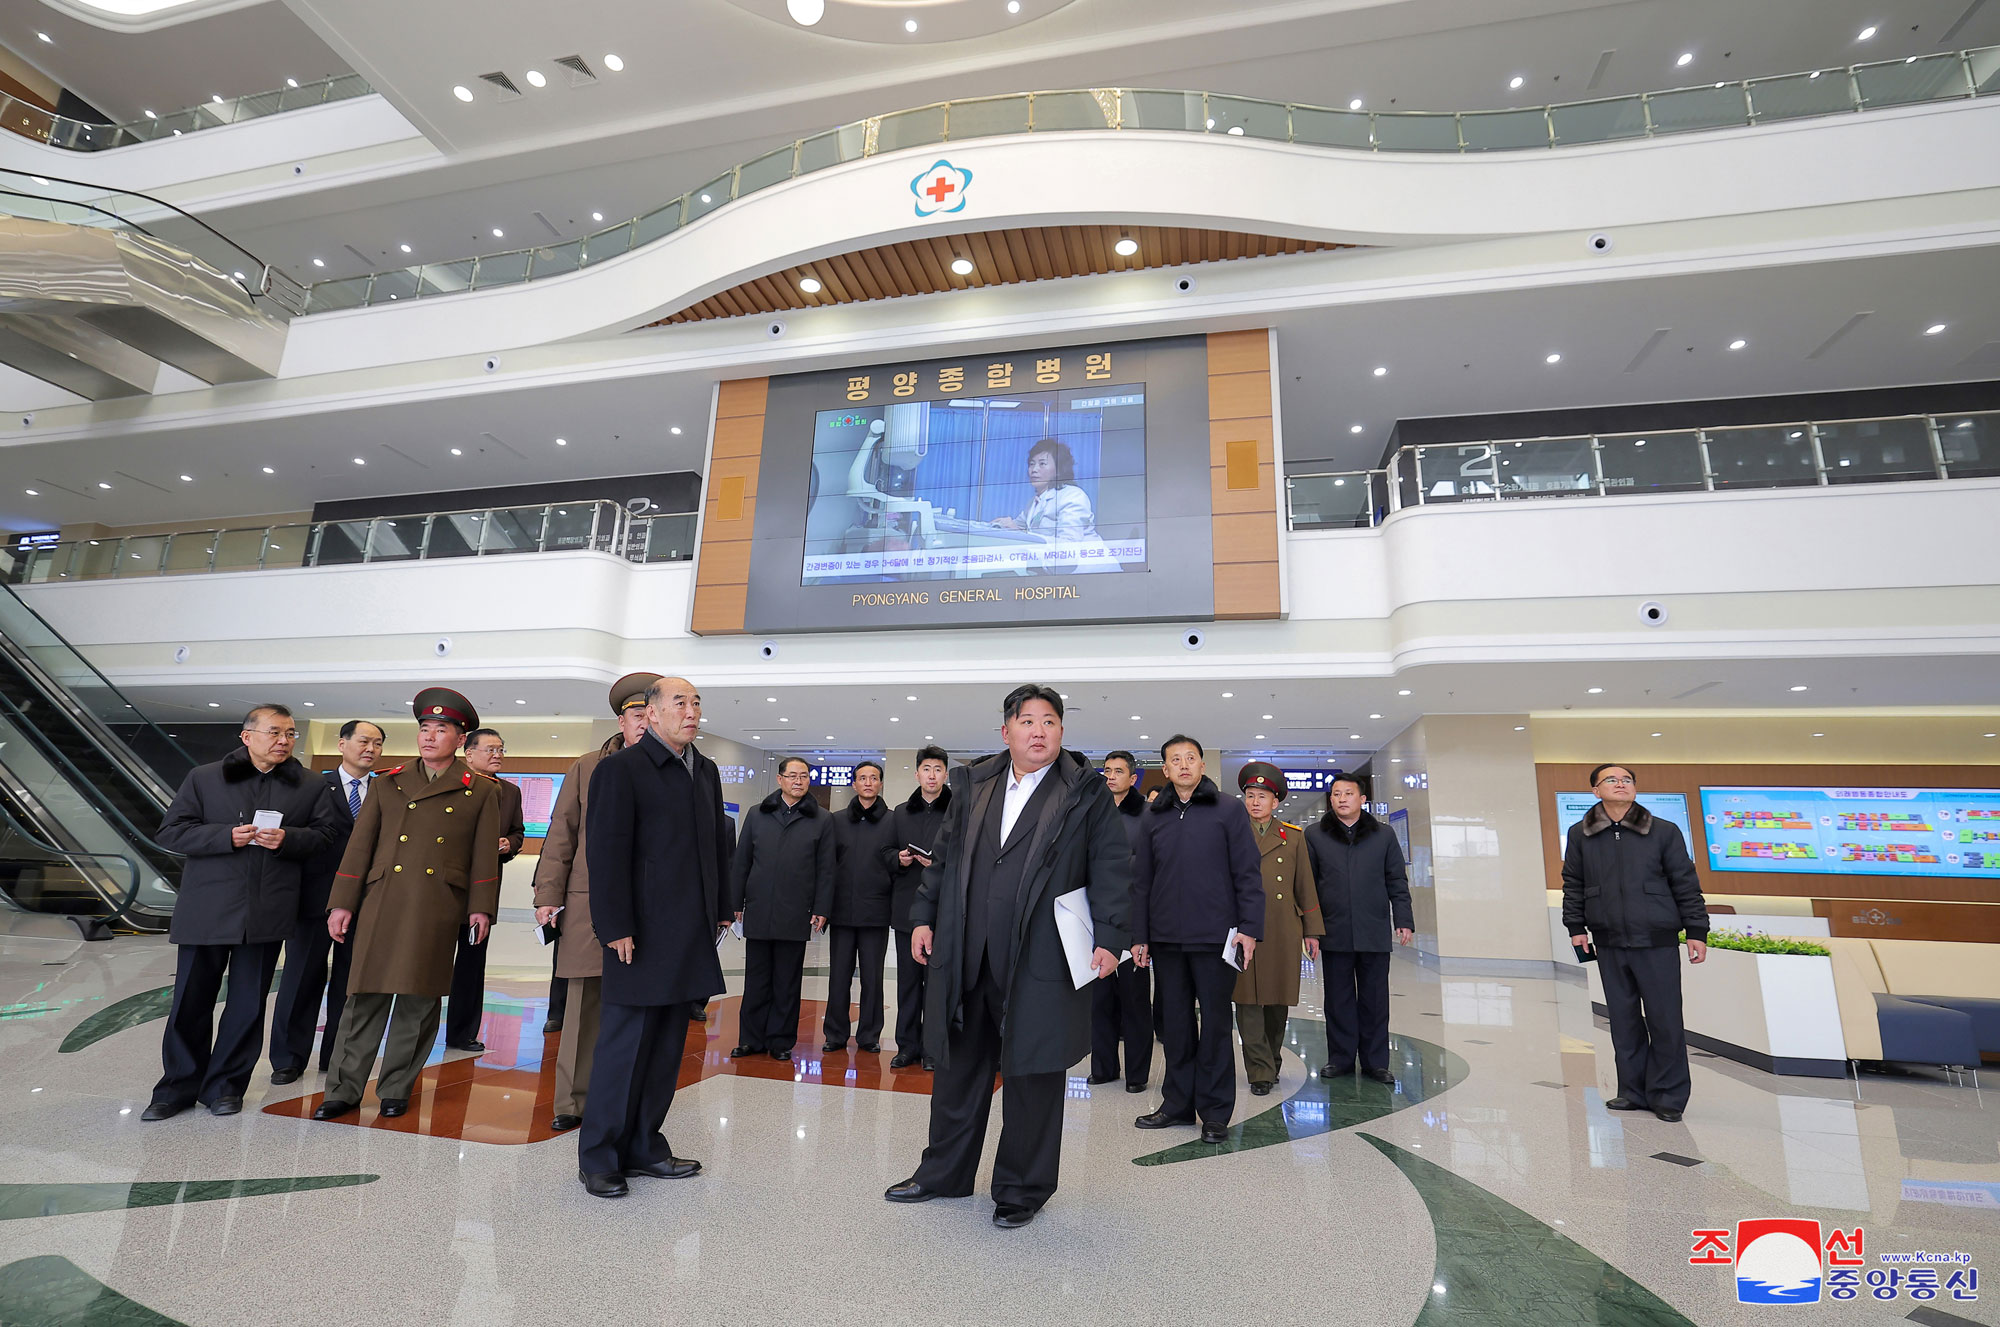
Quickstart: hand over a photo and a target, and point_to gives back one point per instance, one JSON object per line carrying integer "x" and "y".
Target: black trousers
{"x": 1357, "y": 1007}
{"x": 772, "y": 971}
{"x": 1201, "y": 1062}
{"x": 1031, "y": 1108}
{"x": 467, "y": 1007}
{"x": 1121, "y": 1009}
{"x": 1642, "y": 994}
{"x": 867, "y": 945}
{"x": 204, "y": 1061}
{"x": 314, "y": 966}
{"x": 910, "y": 976}
{"x": 632, "y": 1082}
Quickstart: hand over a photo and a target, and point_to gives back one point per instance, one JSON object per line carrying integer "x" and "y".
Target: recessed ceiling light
{"x": 269, "y": 471}
{"x": 1374, "y": 716}
{"x": 216, "y": 98}
{"x": 310, "y": 704}
{"x": 102, "y": 484}
{"x": 1597, "y": 691}
{"x": 1738, "y": 344}
{"x": 536, "y": 79}
{"x": 46, "y": 37}
{"x": 462, "y": 92}
{"x": 292, "y": 83}
{"x": 805, "y": 13}
{"x": 1381, "y": 371}
{"x": 1687, "y": 57}
{"x": 1126, "y": 246}
{"x": 675, "y": 430}
{"x": 1354, "y": 105}
{"x": 1866, "y": 33}
{"x": 187, "y": 479}
{"x": 810, "y": 285}
{"x": 32, "y": 492}
{"x": 909, "y": 698}
{"x": 613, "y": 63}
{"x": 1354, "y": 737}
{"x": 359, "y": 461}
{"x": 1013, "y": 6}
{"x": 499, "y": 234}
{"x": 829, "y": 737}
{"x": 894, "y": 719}
{"x": 1403, "y": 692}
{"x": 783, "y": 719}
{"x": 1799, "y": 688}
{"x": 1553, "y": 357}
{"x": 1395, "y": 760}
{"x": 562, "y": 442}
{"x": 151, "y": 116}
{"x": 1260, "y": 737}
{"x": 962, "y": 266}
{"x": 1934, "y": 329}
{"x": 1656, "y": 734}
{"x": 319, "y": 262}
{"x": 1520, "y": 727}
{"x": 458, "y": 451}
{"x": 1990, "y": 734}
{"x": 1819, "y": 734}
{"x": 597, "y": 216}
{"x": 1267, "y": 717}
{"x": 1515, "y": 82}
{"x": 1354, "y": 428}
{"x": 909, "y": 25}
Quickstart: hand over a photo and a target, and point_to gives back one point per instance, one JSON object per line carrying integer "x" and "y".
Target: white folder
{"x": 1079, "y": 936}
{"x": 1229, "y": 954}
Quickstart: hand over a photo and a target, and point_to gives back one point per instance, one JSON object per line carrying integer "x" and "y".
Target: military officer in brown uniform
{"x": 425, "y": 859}
{"x": 562, "y": 896}
{"x": 1269, "y": 986}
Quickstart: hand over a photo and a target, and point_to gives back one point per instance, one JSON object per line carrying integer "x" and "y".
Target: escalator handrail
{"x": 114, "y": 746}
{"x": 81, "y": 781}
{"x": 121, "y": 911}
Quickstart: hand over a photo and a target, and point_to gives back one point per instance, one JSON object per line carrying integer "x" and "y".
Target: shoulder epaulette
{"x": 1286, "y": 824}
{"x": 391, "y": 773}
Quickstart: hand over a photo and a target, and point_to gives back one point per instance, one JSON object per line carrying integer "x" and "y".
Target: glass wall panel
{"x": 189, "y": 551}
{"x": 1504, "y": 131}
{"x": 1766, "y": 456}
{"x": 1460, "y": 473}
{"x": 1161, "y": 110}
{"x": 513, "y": 530}
{"x": 1860, "y": 451}
{"x": 773, "y": 167}
{"x": 141, "y": 556}
{"x": 1970, "y": 443}
{"x": 1059, "y": 110}
{"x": 912, "y": 128}
{"x": 243, "y": 550}
{"x": 569, "y": 525}
{"x": 1416, "y": 133}
{"x": 443, "y": 278}
{"x": 1329, "y": 502}
{"x": 396, "y": 538}
{"x": 832, "y": 147}
{"x": 988, "y": 115}
{"x": 288, "y": 545}
{"x": 607, "y": 243}
{"x": 1650, "y": 463}
{"x": 1825, "y": 92}
{"x": 400, "y": 284}
{"x": 1985, "y": 68}
{"x": 345, "y": 294}
{"x": 1246, "y": 117}
{"x": 1927, "y": 78}
{"x": 555, "y": 260}
{"x": 456, "y": 535}
{"x": 1546, "y": 467}
{"x": 670, "y": 538}
{"x": 342, "y": 543}
{"x": 1331, "y": 128}
{"x": 666, "y": 220}
{"x": 1599, "y": 121}
{"x": 1698, "y": 108}
{"x": 500, "y": 269}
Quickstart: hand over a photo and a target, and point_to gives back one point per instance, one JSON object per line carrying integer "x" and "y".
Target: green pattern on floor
{"x": 1322, "y": 1105}
{"x": 130, "y": 1012}
{"x": 1498, "y": 1265}
{"x": 20, "y": 1201}
{"x": 55, "y": 1292}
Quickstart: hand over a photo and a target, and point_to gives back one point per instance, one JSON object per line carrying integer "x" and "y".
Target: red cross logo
{"x": 941, "y": 189}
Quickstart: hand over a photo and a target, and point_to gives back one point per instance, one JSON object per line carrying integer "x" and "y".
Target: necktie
{"x": 354, "y": 798}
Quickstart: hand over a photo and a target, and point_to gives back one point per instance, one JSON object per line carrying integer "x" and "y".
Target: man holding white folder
{"x": 1024, "y": 905}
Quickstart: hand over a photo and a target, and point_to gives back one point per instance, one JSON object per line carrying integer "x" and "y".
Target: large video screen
{"x": 1951, "y": 832}
{"x": 538, "y": 800}
{"x": 1572, "y": 807}
{"x": 1013, "y": 484}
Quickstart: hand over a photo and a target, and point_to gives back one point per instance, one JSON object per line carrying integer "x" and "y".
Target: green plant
{"x": 1763, "y": 944}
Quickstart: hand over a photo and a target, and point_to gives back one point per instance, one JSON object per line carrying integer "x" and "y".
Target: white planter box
{"x": 1774, "y": 1012}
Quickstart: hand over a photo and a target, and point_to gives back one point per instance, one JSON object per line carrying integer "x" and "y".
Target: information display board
{"x": 1572, "y": 807}
{"x": 1953, "y": 832}
{"x": 538, "y": 800}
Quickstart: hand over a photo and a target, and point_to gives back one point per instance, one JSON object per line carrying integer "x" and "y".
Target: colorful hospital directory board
{"x": 1951, "y": 832}
{"x": 1571, "y": 807}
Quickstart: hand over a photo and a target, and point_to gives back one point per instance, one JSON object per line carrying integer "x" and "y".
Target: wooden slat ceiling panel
{"x": 1001, "y": 258}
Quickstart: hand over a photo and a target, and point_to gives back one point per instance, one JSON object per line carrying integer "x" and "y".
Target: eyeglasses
{"x": 1622, "y": 779}
{"x": 287, "y": 734}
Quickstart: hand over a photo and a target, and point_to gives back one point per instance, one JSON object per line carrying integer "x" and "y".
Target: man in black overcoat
{"x": 1027, "y": 826}
{"x": 239, "y": 901}
{"x": 659, "y": 845}
{"x": 918, "y": 822}
{"x": 781, "y": 887}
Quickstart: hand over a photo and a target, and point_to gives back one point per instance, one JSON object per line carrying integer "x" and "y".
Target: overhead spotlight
{"x": 1354, "y": 428}
{"x": 187, "y": 479}
{"x": 597, "y": 216}
{"x": 1553, "y": 357}
{"x": 1354, "y": 105}
{"x": 151, "y": 116}
{"x": 962, "y": 266}
{"x": 462, "y": 92}
{"x": 1738, "y": 344}
{"x": 51, "y": 40}
{"x": 805, "y": 13}
{"x": 1596, "y": 691}
{"x": 675, "y": 430}
{"x": 404, "y": 247}
{"x": 1799, "y": 688}
{"x": 269, "y": 471}
{"x": 1381, "y": 371}
{"x": 1863, "y": 35}
{"x": 614, "y": 64}
{"x": 1374, "y": 716}
{"x": 1934, "y": 329}
{"x": 319, "y": 262}
{"x": 359, "y": 461}
{"x": 909, "y": 25}
{"x": 32, "y": 492}
{"x": 536, "y": 80}
{"x": 1515, "y": 82}
{"x": 102, "y": 484}
{"x": 810, "y": 285}
{"x": 562, "y": 442}
{"x": 458, "y": 451}
{"x": 499, "y": 234}
{"x": 1687, "y": 57}
{"x": 292, "y": 83}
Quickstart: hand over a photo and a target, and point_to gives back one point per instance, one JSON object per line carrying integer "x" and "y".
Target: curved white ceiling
{"x": 893, "y": 22}
{"x": 143, "y": 15}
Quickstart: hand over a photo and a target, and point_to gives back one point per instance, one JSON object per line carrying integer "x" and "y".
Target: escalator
{"x": 84, "y": 782}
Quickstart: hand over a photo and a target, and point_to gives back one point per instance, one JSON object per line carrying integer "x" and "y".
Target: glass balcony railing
{"x": 31, "y": 121}
{"x": 557, "y": 527}
{"x": 1798, "y": 455}
{"x": 1945, "y": 76}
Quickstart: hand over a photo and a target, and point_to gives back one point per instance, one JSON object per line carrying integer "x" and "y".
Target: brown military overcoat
{"x": 424, "y": 856}
{"x": 1291, "y": 913}
{"x": 562, "y": 877}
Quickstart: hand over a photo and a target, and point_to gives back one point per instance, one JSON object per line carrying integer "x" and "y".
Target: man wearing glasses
{"x": 247, "y": 824}
{"x": 1629, "y": 890}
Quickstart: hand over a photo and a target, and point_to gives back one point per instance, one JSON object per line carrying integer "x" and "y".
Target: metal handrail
{"x": 1944, "y": 76}
{"x": 32, "y": 121}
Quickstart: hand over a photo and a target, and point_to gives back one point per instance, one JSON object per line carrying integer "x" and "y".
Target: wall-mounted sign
{"x": 1953, "y": 832}
{"x": 1310, "y": 780}
{"x": 736, "y": 773}
{"x": 833, "y": 776}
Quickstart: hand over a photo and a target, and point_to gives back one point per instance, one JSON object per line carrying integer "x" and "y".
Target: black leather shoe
{"x": 226, "y": 1106}
{"x": 1214, "y": 1133}
{"x": 1382, "y": 1076}
{"x": 1007, "y": 1216}
{"x": 552, "y": 1025}
{"x": 1135, "y": 1087}
{"x": 332, "y": 1110}
{"x": 832, "y": 1046}
{"x": 909, "y": 1191}
{"x": 930, "y": 1065}
{"x": 161, "y": 1110}
{"x": 902, "y": 1060}
{"x": 564, "y": 1123}
{"x": 698, "y": 1016}
{"x": 1624, "y": 1103}
{"x": 673, "y": 1168}
{"x": 1261, "y": 1089}
{"x": 785, "y": 1054}
{"x": 476, "y": 1047}
{"x": 603, "y": 1186}
{"x": 741, "y": 1051}
{"x": 1098, "y": 1080}
{"x": 391, "y": 1107}
{"x": 871, "y": 1048}
{"x": 1670, "y": 1116}
{"x": 284, "y": 1076}
{"x": 1335, "y": 1070}
{"x": 1159, "y": 1119}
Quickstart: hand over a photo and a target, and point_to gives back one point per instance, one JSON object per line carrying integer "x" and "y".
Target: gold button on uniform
{"x": 1281, "y": 896}
{"x": 440, "y": 838}
{"x": 399, "y": 868}
{"x": 448, "y": 810}
{"x": 430, "y": 870}
{"x": 402, "y": 838}
{"x": 413, "y": 806}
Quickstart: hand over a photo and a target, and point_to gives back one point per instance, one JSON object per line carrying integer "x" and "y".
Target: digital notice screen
{"x": 1029, "y": 483}
{"x": 538, "y": 800}
{"x": 1572, "y": 807}
{"x": 1952, "y": 832}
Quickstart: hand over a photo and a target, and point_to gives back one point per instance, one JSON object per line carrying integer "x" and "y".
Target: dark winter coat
{"x": 248, "y": 895}
{"x": 864, "y": 865}
{"x": 783, "y": 873}
{"x": 1363, "y": 885}
{"x": 918, "y": 822}
{"x": 1076, "y": 844}
{"x": 659, "y": 846}
{"x": 1631, "y": 883}
{"x": 1198, "y": 873}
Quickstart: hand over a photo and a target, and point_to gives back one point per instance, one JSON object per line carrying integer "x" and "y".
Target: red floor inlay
{"x": 512, "y": 1102}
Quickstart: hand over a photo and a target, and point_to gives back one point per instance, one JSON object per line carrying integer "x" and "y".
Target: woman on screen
{"x": 1061, "y": 512}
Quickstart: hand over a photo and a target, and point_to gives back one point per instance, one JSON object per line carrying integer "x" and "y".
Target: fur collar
{"x": 856, "y": 814}
{"x": 808, "y": 805}
{"x": 1132, "y": 803}
{"x": 918, "y": 806}
{"x": 1639, "y": 820}
{"x": 1205, "y": 794}
{"x": 236, "y": 767}
{"x": 1363, "y": 827}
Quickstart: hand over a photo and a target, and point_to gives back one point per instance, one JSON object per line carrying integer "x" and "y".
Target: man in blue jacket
{"x": 1197, "y": 876}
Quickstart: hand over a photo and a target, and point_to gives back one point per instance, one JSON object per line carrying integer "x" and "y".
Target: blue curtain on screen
{"x": 959, "y": 457}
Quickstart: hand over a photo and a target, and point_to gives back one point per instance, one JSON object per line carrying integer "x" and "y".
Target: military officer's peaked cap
{"x": 630, "y": 690}
{"x": 444, "y": 703}
{"x": 1261, "y": 774}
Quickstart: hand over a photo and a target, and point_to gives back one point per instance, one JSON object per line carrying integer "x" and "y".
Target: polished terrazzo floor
{"x": 1491, "y": 1186}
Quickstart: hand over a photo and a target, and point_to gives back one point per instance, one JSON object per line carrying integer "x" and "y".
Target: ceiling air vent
{"x": 581, "y": 75}
{"x": 503, "y": 86}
